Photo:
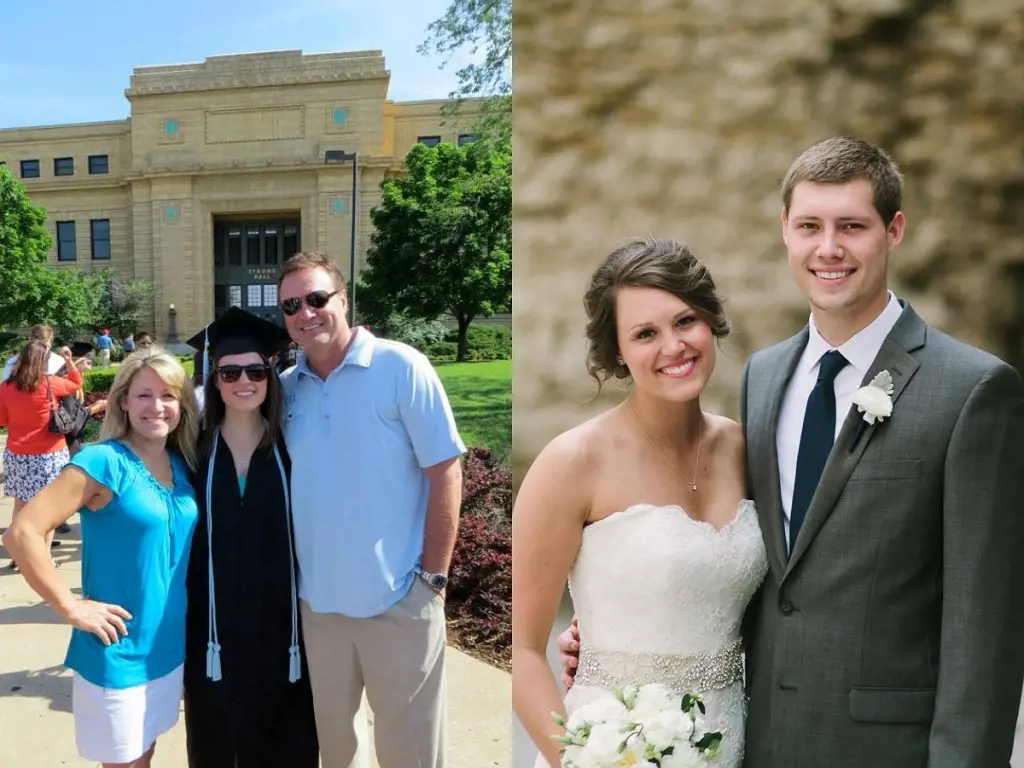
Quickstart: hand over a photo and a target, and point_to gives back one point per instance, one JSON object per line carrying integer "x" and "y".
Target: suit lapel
{"x": 906, "y": 336}
{"x": 768, "y": 405}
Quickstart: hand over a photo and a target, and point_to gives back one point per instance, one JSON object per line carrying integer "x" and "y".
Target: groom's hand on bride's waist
{"x": 569, "y": 652}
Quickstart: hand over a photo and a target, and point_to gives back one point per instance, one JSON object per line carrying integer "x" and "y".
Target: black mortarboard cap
{"x": 82, "y": 348}
{"x": 237, "y": 332}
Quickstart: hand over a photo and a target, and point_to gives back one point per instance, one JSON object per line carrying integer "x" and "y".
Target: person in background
{"x": 143, "y": 340}
{"x": 248, "y": 701}
{"x": 39, "y": 332}
{"x": 75, "y": 405}
{"x": 80, "y": 412}
{"x": 288, "y": 357}
{"x": 34, "y": 455}
{"x": 129, "y": 343}
{"x": 138, "y": 510}
{"x": 105, "y": 344}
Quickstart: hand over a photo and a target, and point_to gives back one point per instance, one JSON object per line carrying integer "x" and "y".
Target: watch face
{"x": 438, "y": 581}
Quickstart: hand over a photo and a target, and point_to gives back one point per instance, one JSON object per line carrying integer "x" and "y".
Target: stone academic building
{"x": 224, "y": 169}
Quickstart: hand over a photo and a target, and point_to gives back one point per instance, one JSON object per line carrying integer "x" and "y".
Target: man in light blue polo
{"x": 376, "y": 490}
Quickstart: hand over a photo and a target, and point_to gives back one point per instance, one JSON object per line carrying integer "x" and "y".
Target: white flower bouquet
{"x": 639, "y": 727}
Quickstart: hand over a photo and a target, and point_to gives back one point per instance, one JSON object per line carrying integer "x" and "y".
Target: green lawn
{"x": 481, "y": 397}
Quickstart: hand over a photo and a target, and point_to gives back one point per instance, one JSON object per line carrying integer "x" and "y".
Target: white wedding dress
{"x": 659, "y": 597}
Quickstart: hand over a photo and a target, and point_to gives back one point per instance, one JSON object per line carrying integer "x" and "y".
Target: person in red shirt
{"x": 34, "y": 455}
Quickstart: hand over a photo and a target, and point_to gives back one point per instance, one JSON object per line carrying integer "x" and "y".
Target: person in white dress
{"x": 643, "y": 508}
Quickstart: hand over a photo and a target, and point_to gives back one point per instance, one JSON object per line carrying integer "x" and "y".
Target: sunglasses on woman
{"x": 256, "y": 372}
{"x": 316, "y": 300}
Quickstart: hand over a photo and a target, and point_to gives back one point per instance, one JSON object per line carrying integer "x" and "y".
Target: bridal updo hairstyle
{"x": 651, "y": 262}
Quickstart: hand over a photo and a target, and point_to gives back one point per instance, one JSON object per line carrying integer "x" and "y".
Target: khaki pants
{"x": 399, "y": 658}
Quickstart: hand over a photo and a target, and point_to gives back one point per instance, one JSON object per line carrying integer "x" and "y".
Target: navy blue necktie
{"x": 815, "y": 440}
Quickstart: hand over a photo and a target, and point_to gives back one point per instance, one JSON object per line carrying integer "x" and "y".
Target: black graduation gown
{"x": 252, "y": 717}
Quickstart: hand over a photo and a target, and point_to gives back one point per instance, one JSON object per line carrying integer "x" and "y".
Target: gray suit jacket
{"x": 894, "y": 634}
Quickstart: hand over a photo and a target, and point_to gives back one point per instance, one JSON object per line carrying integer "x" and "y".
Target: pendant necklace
{"x": 700, "y": 434}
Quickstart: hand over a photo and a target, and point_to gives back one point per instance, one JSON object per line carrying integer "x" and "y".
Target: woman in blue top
{"x": 138, "y": 512}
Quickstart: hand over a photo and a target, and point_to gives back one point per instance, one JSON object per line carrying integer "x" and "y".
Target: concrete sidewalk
{"x": 36, "y": 727}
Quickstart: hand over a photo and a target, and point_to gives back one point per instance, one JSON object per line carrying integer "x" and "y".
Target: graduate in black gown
{"x": 248, "y": 702}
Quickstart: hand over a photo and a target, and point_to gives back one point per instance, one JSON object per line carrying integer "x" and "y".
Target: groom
{"x": 890, "y": 628}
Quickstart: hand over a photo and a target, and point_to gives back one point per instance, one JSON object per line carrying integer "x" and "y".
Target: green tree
{"x": 29, "y": 292}
{"x": 472, "y": 25}
{"x": 442, "y": 241}
{"x": 122, "y": 303}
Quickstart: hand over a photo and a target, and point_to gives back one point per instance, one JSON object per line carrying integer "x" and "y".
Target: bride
{"x": 643, "y": 508}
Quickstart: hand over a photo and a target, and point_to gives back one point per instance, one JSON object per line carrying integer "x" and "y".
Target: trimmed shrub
{"x": 99, "y": 380}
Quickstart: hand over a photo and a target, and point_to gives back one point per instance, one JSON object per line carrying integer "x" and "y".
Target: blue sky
{"x": 70, "y": 62}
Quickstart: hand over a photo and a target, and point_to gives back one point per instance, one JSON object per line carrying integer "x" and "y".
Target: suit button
{"x": 786, "y": 607}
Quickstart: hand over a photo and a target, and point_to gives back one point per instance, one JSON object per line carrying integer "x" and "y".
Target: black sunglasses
{"x": 229, "y": 374}
{"x": 316, "y": 300}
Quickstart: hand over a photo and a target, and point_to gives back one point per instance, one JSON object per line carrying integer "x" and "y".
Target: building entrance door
{"x": 246, "y": 259}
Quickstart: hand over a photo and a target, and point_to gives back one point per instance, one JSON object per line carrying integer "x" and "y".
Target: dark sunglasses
{"x": 316, "y": 300}
{"x": 229, "y": 374}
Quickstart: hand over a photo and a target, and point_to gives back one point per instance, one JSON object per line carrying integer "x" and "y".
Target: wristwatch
{"x": 436, "y": 581}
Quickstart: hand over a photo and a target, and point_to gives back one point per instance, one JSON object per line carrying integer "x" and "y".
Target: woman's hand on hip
{"x": 102, "y": 619}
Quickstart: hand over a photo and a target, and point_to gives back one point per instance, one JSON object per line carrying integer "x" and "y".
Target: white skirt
{"x": 119, "y": 725}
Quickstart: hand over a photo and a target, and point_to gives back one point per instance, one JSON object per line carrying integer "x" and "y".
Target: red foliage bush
{"x": 479, "y": 599}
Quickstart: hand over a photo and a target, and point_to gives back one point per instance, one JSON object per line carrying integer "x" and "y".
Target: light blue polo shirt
{"x": 135, "y": 554}
{"x": 359, "y": 443}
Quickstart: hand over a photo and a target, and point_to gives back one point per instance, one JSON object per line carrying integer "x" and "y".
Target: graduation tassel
{"x": 206, "y": 354}
{"x": 213, "y": 661}
{"x": 294, "y": 664}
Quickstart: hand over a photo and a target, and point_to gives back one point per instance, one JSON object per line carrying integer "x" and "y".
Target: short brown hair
{"x": 842, "y": 159}
{"x": 31, "y": 366}
{"x": 651, "y": 262}
{"x": 314, "y": 260}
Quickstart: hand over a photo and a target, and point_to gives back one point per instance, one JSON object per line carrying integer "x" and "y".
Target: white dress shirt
{"x": 860, "y": 351}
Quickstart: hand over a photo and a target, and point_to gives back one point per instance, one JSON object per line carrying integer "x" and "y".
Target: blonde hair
{"x": 41, "y": 332}
{"x": 115, "y": 422}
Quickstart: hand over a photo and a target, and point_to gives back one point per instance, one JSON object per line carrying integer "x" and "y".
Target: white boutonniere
{"x": 875, "y": 400}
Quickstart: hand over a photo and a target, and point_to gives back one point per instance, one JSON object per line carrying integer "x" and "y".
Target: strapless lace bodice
{"x": 654, "y": 580}
{"x": 660, "y": 597}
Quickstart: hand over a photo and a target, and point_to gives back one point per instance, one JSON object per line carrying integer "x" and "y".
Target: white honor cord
{"x": 213, "y": 670}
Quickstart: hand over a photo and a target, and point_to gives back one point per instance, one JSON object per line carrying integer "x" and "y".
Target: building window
{"x": 466, "y": 138}
{"x": 64, "y": 166}
{"x": 99, "y": 164}
{"x": 66, "y": 248}
{"x": 30, "y": 169}
{"x": 269, "y": 295}
{"x": 255, "y": 295}
{"x": 291, "y": 241}
{"x": 235, "y": 295}
{"x": 100, "y": 237}
{"x": 430, "y": 141}
{"x": 340, "y": 116}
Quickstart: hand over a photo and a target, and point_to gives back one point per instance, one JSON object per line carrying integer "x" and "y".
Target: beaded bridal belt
{"x": 700, "y": 672}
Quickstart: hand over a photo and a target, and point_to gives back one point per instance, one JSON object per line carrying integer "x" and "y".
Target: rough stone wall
{"x": 680, "y": 118}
